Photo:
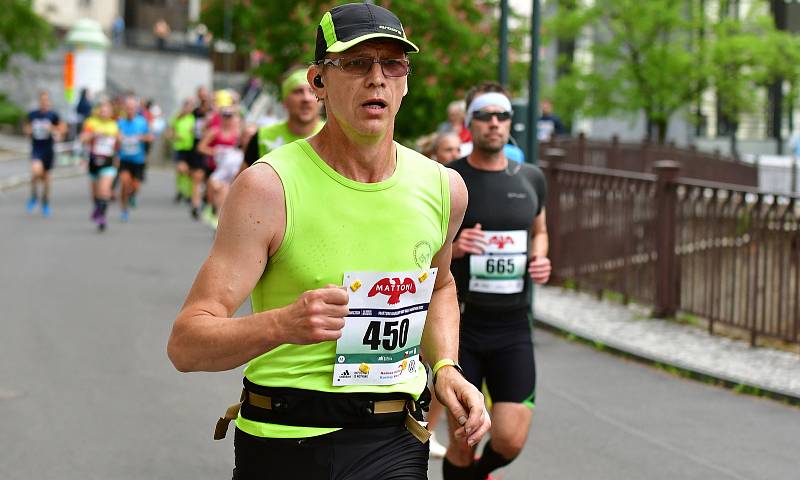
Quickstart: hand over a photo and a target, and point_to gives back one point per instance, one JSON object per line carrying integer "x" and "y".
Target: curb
{"x": 552, "y": 324}
{"x": 16, "y": 181}
{"x": 10, "y": 183}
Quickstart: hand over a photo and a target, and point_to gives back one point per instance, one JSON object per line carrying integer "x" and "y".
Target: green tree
{"x": 747, "y": 55}
{"x": 451, "y": 34}
{"x": 640, "y": 60}
{"x": 660, "y": 56}
{"x": 22, "y": 31}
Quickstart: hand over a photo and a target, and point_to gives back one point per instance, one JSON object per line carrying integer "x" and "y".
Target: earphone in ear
{"x": 318, "y": 82}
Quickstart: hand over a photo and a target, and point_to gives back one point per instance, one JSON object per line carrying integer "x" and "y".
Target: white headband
{"x": 482, "y": 101}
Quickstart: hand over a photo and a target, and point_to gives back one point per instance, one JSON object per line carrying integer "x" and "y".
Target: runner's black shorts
{"x": 196, "y": 161}
{"x": 45, "y": 155}
{"x": 135, "y": 169}
{"x": 386, "y": 453}
{"x": 496, "y": 347}
{"x": 184, "y": 156}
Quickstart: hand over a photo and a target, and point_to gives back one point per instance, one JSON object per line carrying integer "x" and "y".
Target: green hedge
{"x": 10, "y": 114}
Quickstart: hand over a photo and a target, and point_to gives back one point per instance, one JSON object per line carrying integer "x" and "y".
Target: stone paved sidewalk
{"x": 628, "y": 329}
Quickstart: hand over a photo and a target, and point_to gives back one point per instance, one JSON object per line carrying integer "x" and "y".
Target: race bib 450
{"x": 380, "y": 342}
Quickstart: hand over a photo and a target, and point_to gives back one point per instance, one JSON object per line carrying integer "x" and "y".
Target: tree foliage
{"x": 22, "y": 31}
{"x": 640, "y": 59}
{"x": 660, "y": 56}
{"x": 457, "y": 41}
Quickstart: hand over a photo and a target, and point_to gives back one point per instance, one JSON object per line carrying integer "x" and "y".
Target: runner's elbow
{"x": 178, "y": 352}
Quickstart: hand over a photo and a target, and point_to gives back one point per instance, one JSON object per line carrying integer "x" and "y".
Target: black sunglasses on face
{"x": 487, "y": 116}
{"x": 360, "y": 66}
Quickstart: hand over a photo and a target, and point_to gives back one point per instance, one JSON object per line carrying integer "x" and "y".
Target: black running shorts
{"x": 183, "y": 156}
{"x": 196, "y": 161}
{"x": 45, "y": 155}
{"x": 136, "y": 169}
{"x": 496, "y": 347}
{"x": 386, "y": 453}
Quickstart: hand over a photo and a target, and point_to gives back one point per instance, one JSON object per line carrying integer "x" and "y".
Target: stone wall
{"x": 163, "y": 76}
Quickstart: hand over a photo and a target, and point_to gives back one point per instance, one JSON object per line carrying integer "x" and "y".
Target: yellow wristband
{"x": 443, "y": 363}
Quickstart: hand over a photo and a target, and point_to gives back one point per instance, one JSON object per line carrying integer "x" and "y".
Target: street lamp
{"x": 503, "y": 73}
{"x": 532, "y": 155}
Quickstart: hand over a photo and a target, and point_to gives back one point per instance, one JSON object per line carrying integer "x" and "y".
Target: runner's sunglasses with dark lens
{"x": 360, "y": 66}
{"x": 487, "y": 116}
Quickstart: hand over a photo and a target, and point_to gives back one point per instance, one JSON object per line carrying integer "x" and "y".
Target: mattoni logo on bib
{"x": 393, "y": 288}
{"x": 501, "y": 241}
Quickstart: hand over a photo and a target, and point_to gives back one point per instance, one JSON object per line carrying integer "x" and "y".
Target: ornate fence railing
{"x": 727, "y": 253}
{"x": 641, "y": 157}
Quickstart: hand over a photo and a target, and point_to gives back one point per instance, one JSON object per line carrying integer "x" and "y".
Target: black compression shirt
{"x": 501, "y": 201}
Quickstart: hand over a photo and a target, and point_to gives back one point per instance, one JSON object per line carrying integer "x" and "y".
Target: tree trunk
{"x": 733, "y": 141}
{"x": 649, "y": 128}
{"x": 661, "y": 125}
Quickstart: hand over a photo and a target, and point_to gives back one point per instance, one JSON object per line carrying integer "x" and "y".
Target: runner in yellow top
{"x": 344, "y": 241}
{"x": 303, "y": 119}
{"x": 101, "y": 135}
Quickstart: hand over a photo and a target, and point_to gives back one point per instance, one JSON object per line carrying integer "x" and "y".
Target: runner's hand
{"x": 539, "y": 268}
{"x": 470, "y": 240}
{"x": 465, "y": 403}
{"x": 316, "y": 316}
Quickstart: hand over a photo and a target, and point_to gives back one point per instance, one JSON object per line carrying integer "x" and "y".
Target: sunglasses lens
{"x": 394, "y": 68}
{"x": 362, "y": 66}
{"x": 357, "y": 66}
{"x": 487, "y": 116}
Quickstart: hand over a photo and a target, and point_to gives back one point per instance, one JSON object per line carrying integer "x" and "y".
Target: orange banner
{"x": 69, "y": 76}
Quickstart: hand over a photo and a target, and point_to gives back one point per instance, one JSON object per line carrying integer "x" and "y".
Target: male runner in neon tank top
{"x": 303, "y": 119}
{"x": 502, "y": 246}
{"x": 335, "y": 238}
{"x": 197, "y": 161}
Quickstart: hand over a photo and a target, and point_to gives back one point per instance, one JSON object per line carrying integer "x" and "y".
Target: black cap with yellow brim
{"x": 353, "y": 23}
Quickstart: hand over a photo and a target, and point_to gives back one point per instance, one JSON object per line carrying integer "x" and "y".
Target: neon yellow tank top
{"x": 335, "y": 225}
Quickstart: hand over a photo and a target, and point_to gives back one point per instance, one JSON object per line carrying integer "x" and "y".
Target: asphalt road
{"x": 87, "y": 392}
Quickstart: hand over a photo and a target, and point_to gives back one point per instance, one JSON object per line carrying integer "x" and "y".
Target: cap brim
{"x": 339, "y": 46}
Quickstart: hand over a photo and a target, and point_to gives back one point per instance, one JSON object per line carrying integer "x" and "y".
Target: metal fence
{"x": 727, "y": 253}
{"x": 641, "y": 157}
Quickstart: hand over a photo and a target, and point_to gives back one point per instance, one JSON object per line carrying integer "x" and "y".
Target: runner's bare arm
{"x": 203, "y": 147}
{"x": 61, "y": 129}
{"x": 440, "y": 338}
{"x": 205, "y": 337}
{"x": 87, "y": 134}
{"x": 539, "y": 266}
{"x": 540, "y": 242}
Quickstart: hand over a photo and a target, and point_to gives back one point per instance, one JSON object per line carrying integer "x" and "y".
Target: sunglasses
{"x": 487, "y": 116}
{"x": 360, "y": 66}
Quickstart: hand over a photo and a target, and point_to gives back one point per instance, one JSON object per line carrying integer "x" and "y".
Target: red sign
{"x": 393, "y": 288}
